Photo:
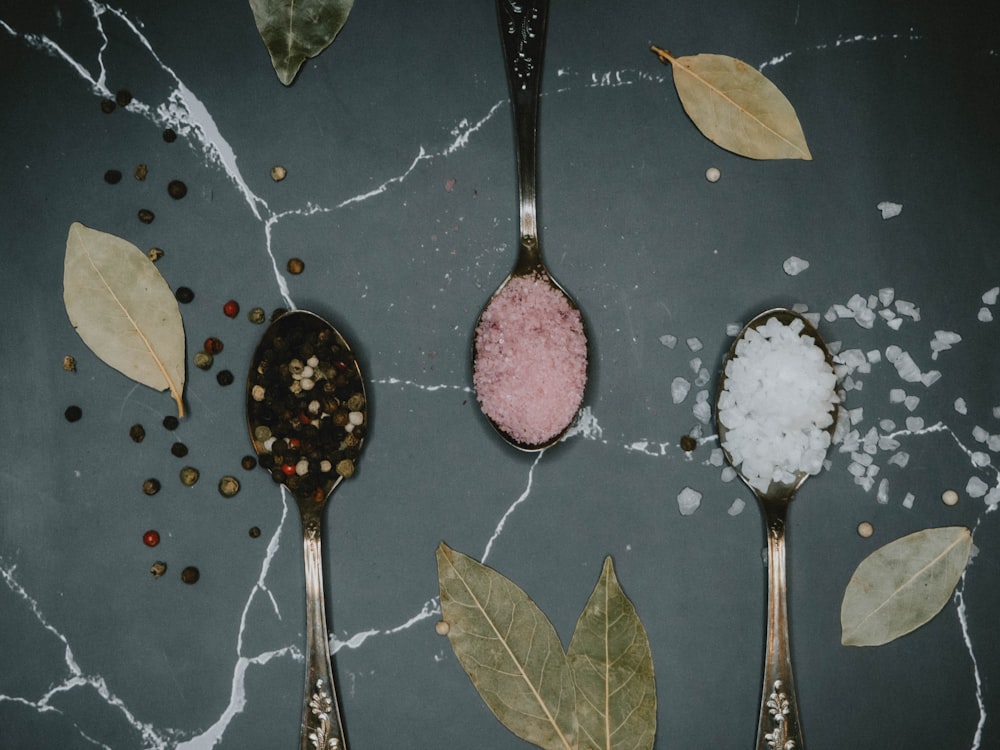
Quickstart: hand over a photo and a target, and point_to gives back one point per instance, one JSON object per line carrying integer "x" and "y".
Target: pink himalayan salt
{"x": 531, "y": 360}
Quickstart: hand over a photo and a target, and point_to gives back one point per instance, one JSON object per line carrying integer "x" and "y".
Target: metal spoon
{"x": 522, "y": 33}
{"x": 304, "y": 397}
{"x": 778, "y": 726}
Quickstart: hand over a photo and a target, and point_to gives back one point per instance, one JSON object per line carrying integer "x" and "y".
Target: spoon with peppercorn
{"x": 776, "y": 413}
{"x": 530, "y": 350}
{"x": 307, "y": 416}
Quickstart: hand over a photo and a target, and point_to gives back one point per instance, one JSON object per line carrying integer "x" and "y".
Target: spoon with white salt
{"x": 530, "y": 349}
{"x": 776, "y": 411}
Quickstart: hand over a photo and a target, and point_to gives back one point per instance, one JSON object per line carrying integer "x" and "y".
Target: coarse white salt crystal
{"x": 668, "y": 340}
{"x": 914, "y": 424}
{"x": 993, "y": 443}
{"x": 889, "y": 209}
{"x": 703, "y": 377}
{"x": 980, "y": 459}
{"x": 976, "y": 487}
{"x": 716, "y": 457}
{"x": 865, "y": 483}
{"x": 908, "y": 309}
{"x": 897, "y": 395}
{"x": 886, "y": 295}
{"x": 895, "y": 324}
{"x": 793, "y": 265}
{"x": 990, "y": 297}
{"x": 856, "y": 415}
{"x": 856, "y": 469}
{"x": 695, "y": 364}
{"x": 737, "y": 507}
{"x": 887, "y": 424}
{"x": 992, "y": 497}
{"x": 886, "y": 443}
{"x": 979, "y": 434}
{"x": 908, "y": 500}
{"x": 694, "y": 344}
{"x": 893, "y": 353}
{"x": 942, "y": 341}
{"x": 862, "y": 458}
{"x": 985, "y": 316}
{"x": 906, "y": 368}
{"x": 733, "y": 329}
{"x": 688, "y": 501}
{"x": 911, "y": 402}
{"x": 679, "y": 388}
{"x": 702, "y": 411}
{"x": 960, "y": 406}
{"x": 930, "y": 377}
{"x": 900, "y": 459}
{"x": 728, "y": 474}
{"x": 882, "y": 494}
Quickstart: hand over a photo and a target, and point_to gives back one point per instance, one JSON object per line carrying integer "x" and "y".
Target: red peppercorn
{"x": 213, "y": 345}
{"x": 231, "y": 308}
{"x": 294, "y": 443}
{"x": 151, "y": 538}
{"x": 304, "y": 418}
{"x": 288, "y": 469}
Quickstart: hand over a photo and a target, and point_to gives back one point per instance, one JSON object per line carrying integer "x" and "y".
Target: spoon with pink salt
{"x": 530, "y": 349}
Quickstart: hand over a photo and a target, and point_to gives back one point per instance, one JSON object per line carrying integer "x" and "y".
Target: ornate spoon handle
{"x": 778, "y": 727}
{"x": 322, "y": 728}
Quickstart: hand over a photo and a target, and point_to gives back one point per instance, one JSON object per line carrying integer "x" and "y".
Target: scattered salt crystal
{"x": 688, "y": 501}
{"x": 889, "y": 209}
{"x": 865, "y": 483}
{"x": 728, "y": 474}
{"x": 717, "y": 457}
{"x": 895, "y": 324}
{"x": 896, "y": 395}
{"x": 882, "y": 494}
{"x": 993, "y": 497}
{"x": 993, "y": 443}
{"x": 702, "y": 410}
{"x": 737, "y": 507}
{"x": 679, "y": 389}
{"x": 911, "y": 402}
{"x": 695, "y": 364}
{"x": 930, "y": 377}
{"x": 990, "y": 297}
{"x": 886, "y": 295}
{"x": 703, "y": 377}
{"x": 856, "y": 469}
{"x": 856, "y": 415}
{"x": 733, "y": 329}
{"x": 996, "y": 412}
{"x": 908, "y": 500}
{"x": 887, "y": 424}
{"x": 980, "y": 459}
{"x": 942, "y": 341}
{"x": 914, "y": 424}
{"x": 793, "y": 265}
{"x": 976, "y": 487}
{"x": 960, "y": 406}
{"x": 985, "y": 316}
{"x": 979, "y": 434}
{"x": 908, "y": 309}
{"x": 694, "y": 344}
{"x": 900, "y": 459}
{"x": 668, "y": 340}
{"x": 906, "y": 368}
{"x": 886, "y": 443}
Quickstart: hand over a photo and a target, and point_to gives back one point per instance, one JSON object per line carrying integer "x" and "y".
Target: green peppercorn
{"x": 249, "y": 463}
{"x": 229, "y": 486}
{"x": 151, "y": 486}
{"x": 179, "y": 449}
{"x": 171, "y": 422}
{"x": 190, "y": 574}
{"x": 203, "y": 360}
{"x": 345, "y": 467}
{"x": 176, "y": 189}
{"x": 73, "y": 413}
{"x": 225, "y": 377}
{"x": 189, "y": 476}
{"x": 257, "y": 315}
{"x": 137, "y": 432}
{"x": 184, "y": 295}
{"x": 146, "y": 216}
{"x": 113, "y": 176}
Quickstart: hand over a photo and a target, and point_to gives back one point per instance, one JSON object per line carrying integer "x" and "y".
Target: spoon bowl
{"x": 307, "y": 417}
{"x": 522, "y": 33}
{"x": 778, "y": 725}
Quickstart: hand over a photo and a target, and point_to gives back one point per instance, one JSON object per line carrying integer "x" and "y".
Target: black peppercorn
{"x": 151, "y": 486}
{"x": 141, "y": 171}
{"x": 249, "y": 463}
{"x": 171, "y": 422}
{"x": 123, "y": 97}
{"x": 254, "y": 532}
{"x": 184, "y": 295}
{"x": 137, "y": 432}
{"x": 169, "y": 135}
{"x": 113, "y": 176}
{"x": 190, "y": 574}
{"x": 179, "y": 449}
{"x": 146, "y": 216}
{"x": 108, "y": 106}
{"x": 176, "y": 189}
{"x": 73, "y": 413}
{"x": 225, "y": 377}
{"x": 688, "y": 443}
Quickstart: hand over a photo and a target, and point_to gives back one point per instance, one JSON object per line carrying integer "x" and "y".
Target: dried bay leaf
{"x": 737, "y": 107}
{"x": 297, "y": 30}
{"x": 613, "y": 671}
{"x": 124, "y": 310}
{"x": 510, "y": 651}
{"x": 903, "y": 585}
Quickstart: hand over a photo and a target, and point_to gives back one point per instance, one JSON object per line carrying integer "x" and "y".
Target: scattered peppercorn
{"x": 137, "y": 432}
{"x": 179, "y": 449}
{"x": 158, "y": 569}
{"x": 151, "y": 538}
{"x": 151, "y": 486}
{"x": 254, "y": 532}
{"x": 155, "y": 253}
{"x": 278, "y": 173}
{"x": 108, "y": 106}
{"x": 249, "y": 463}
{"x": 224, "y": 377}
{"x": 189, "y": 476}
{"x": 277, "y": 313}
{"x": 69, "y": 363}
{"x": 295, "y": 266}
{"x": 203, "y": 360}
{"x": 141, "y": 171}
{"x": 73, "y": 413}
{"x": 257, "y": 315}
{"x": 171, "y": 422}
{"x": 688, "y": 443}
{"x": 345, "y": 467}
{"x": 865, "y": 529}
{"x": 229, "y": 486}
{"x": 213, "y": 345}
{"x": 113, "y": 176}
{"x": 231, "y": 309}
{"x": 184, "y": 295}
{"x": 190, "y": 574}
{"x": 123, "y": 97}
{"x": 146, "y": 216}
{"x": 949, "y": 497}
{"x": 441, "y": 627}
{"x": 177, "y": 189}
{"x": 169, "y": 135}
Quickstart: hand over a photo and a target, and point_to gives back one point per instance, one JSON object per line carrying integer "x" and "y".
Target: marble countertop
{"x": 400, "y": 198}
